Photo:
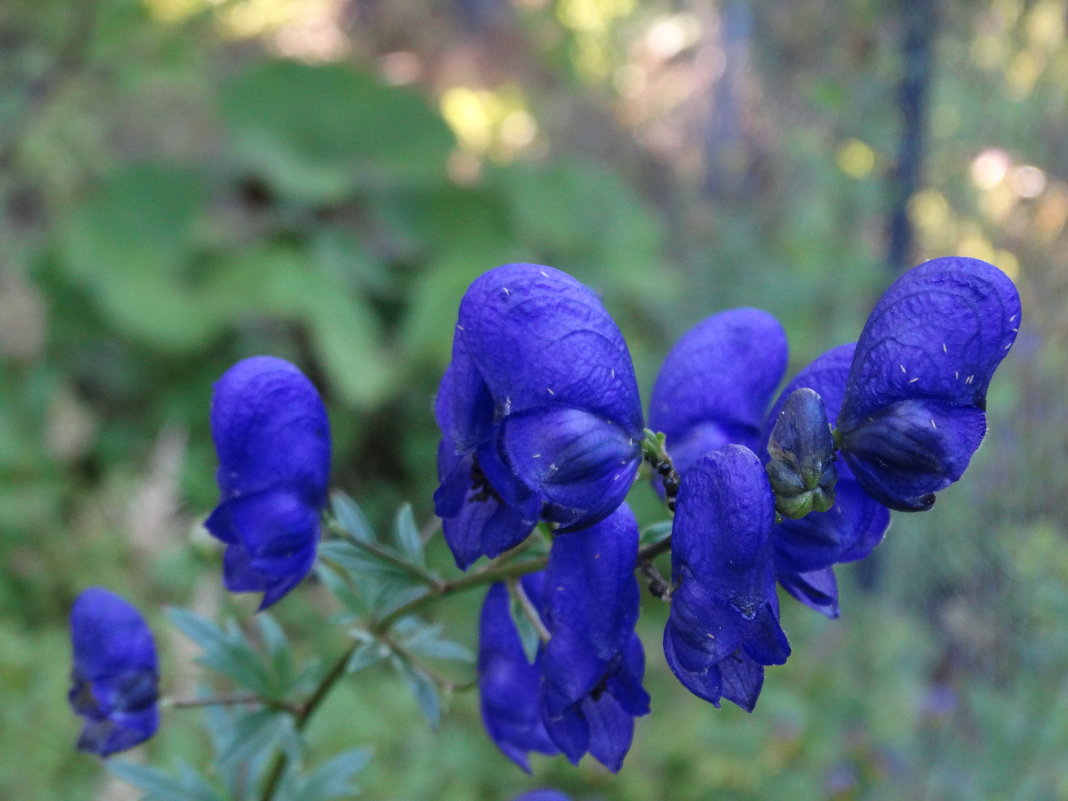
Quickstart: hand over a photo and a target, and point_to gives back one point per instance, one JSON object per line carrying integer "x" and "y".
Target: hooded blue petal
{"x": 913, "y": 411}
{"x": 115, "y": 673}
{"x": 541, "y": 390}
{"x": 593, "y": 663}
{"x": 724, "y": 620}
{"x": 539, "y": 337}
{"x": 716, "y": 383}
{"x": 508, "y": 684}
{"x": 272, "y": 437}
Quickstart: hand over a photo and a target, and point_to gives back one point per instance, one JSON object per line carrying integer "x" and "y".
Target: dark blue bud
{"x": 801, "y": 454}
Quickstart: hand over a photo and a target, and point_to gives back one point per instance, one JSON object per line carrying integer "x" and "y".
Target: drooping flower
{"x": 583, "y": 690}
{"x": 593, "y": 664}
{"x": 723, "y": 628}
{"x": 115, "y": 673}
{"x": 807, "y": 549}
{"x": 507, "y": 682}
{"x": 716, "y": 383}
{"x": 539, "y": 412}
{"x": 272, "y": 437}
{"x": 913, "y": 411}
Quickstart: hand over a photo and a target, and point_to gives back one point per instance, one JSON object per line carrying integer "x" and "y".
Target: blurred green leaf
{"x": 407, "y": 536}
{"x": 351, "y": 517}
{"x": 161, "y": 786}
{"x": 335, "y": 778}
{"x": 423, "y": 688}
{"x": 318, "y": 133}
{"x": 226, "y": 651}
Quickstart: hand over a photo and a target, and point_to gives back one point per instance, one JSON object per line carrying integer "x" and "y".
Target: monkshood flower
{"x": 115, "y": 673}
{"x": 273, "y": 440}
{"x": 723, "y": 628}
{"x": 806, "y": 549}
{"x": 716, "y": 383}
{"x": 583, "y": 690}
{"x": 507, "y": 682}
{"x": 593, "y": 664}
{"x": 913, "y": 412}
{"x": 539, "y": 412}
{"x": 542, "y": 795}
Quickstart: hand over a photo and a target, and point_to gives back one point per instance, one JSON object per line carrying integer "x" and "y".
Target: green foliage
{"x": 173, "y": 201}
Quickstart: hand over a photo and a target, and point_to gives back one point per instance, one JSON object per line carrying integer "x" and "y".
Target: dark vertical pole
{"x": 919, "y": 31}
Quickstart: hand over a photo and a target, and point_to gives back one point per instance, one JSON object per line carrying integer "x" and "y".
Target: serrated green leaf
{"x": 351, "y": 518}
{"x": 256, "y": 733}
{"x": 335, "y": 778}
{"x": 423, "y": 688}
{"x": 361, "y": 564}
{"x": 160, "y": 786}
{"x": 407, "y": 536}
{"x": 226, "y": 652}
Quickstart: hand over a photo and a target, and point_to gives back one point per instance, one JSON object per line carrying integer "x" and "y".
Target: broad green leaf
{"x": 284, "y": 282}
{"x": 319, "y": 133}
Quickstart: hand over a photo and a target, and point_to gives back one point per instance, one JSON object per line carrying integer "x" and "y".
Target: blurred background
{"x": 187, "y": 182}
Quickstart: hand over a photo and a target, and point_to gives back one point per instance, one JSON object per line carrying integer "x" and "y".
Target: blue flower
{"x": 542, "y": 795}
{"x": 593, "y": 663}
{"x": 507, "y": 683}
{"x": 723, "y": 628}
{"x": 539, "y": 412}
{"x": 807, "y": 549}
{"x": 115, "y": 673}
{"x": 583, "y": 690}
{"x": 716, "y": 383}
{"x": 273, "y": 440}
{"x": 913, "y": 412}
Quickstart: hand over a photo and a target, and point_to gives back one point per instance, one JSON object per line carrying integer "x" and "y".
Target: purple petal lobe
{"x": 817, "y": 590}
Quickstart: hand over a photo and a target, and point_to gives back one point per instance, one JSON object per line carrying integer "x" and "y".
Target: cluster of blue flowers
{"x": 542, "y": 423}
